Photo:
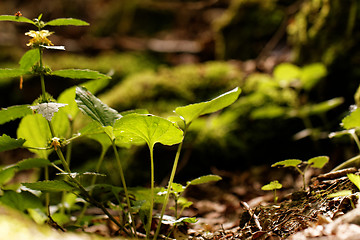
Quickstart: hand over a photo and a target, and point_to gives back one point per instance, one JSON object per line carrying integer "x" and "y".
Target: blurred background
{"x": 297, "y": 63}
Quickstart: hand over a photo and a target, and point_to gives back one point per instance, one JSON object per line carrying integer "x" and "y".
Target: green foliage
{"x": 51, "y": 186}
{"x": 315, "y": 162}
{"x": 272, "y": 186}
{"x": 14, "y": 112}
{"x": 8, "y": 143}
{"x": 355, "y": 179}
{"x": 67, "y": 22}
{"x": 79, "y": 74}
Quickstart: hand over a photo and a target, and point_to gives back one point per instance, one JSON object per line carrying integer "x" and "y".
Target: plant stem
{"x": 148, "y": 228}
{"x": 125, "y": 187}
{"x": 171, "y": 180}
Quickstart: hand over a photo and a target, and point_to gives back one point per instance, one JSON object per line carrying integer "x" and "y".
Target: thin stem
{"x": 355, "y": 137}
{"x": 124, "y": 185}
{"x": 148, "y": 228}
{"x": 171, "y": 180}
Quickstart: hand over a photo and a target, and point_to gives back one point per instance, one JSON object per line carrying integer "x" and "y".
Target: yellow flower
{"x": 39, "y": 38}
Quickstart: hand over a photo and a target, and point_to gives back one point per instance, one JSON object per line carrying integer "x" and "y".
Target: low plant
{"x": 47, "y": 125}
{"x": 272, "y": 186}
{"x": 315, "y": 162}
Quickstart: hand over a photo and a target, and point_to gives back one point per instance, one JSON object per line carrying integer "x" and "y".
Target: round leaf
{"x": 318, "y": 162}
{"x": 352, "y": 120}
{"x": 272, "y": 186}
{"x": 148, "y": 128}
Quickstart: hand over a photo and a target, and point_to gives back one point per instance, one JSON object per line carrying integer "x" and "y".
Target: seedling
{"x": 272, "y": 186}
{"x": 316, "y": 162}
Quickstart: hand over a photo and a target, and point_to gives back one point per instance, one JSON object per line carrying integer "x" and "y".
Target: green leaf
{"x": 355, "y": 179}
{"x": 178, "y": 188}
{"x": 47, "y": 110}
{"x": 14, "y": 112}
{"x": 342, "y": 193}
{"x": 8, "y": 143}
{"x": 67, "y": 22}
{"x": 272, "y": 186}
{"x": 11, "y": 73}
{"x": 6, "y": 175}
{"x": 320, "y": 108}
{"x": 146, "y": 127}
{"x": 171, "y": 221}
{"x": 94, "y": 108}
{"x": 79, "y": 74}
{"x": 29, "y": 59}
{"x": 204, "y": 179}
{"x": 15, "y": 19}
{"x": 68, "y": 96}
{"x": 31, "y": 163}
{"x": 286, "y": 73}
{"x": 352, "y": 120}
{"x": 35, "y": 129}
{"x": 20, "y": 201}
{"x": 193, "y": 111}
{"x": 50, "y": 186}
{"x": 312, "y": 74}
{"x": 318, "y": 162}
{"x": 288, "y": 163}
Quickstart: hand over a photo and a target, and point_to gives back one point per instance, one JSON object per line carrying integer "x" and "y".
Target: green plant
{"x": 272, "y": 186}
{"x": 47, "y": 126}
{"x": 315, "y": 162}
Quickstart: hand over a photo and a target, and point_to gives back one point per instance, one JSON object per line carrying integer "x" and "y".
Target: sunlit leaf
{"x": 79, "y": 74}
{"x": 318, "y": 162}
{"x": 272, "y": 186}
{"x": 286, "y": 73}
{"x": 15, "y": 19}
{"x": 6, "y": 175}
{"x": 10, "y": 73}
{"x": 8, "y": 143}
{"x": 35, "y": 129}
{"x": 288, "y": 163}
{"x": 355, "y": 179}
{"x": 352, "y": 120}
{"x": 66, "y": 22}
{"x": 312, "y": 74}
{"x": 205, "y": 179}
{"x": 50, "y": 186}
{"x": 47, "y": 110}
{"x": 320, "y": 108}
{"x": 193, "y": 111}
{"x": 14, "y": 112}
{"x": 94, "y": 108}
{"x": 342, "y": 193}
{"x": 68, "y": 96}
{"x": 29, "y": 59}
{"x": 149, "y": 128}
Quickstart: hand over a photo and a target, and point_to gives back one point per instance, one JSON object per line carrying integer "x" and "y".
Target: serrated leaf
{"x": 47, "y": 110}
{"x": 94, "y": 108}
{"x": 288, "y": 163}
{"x": 68, "y": 96}
{"x": 205, "y": 179}
{"x": 272, "y": 186}
{"x": 29, "y": 59}
{"x": 352, "y": 120}
{"x": 355, "y": 179}
{"x": 35, "y": 129}
{"x": 318, "y": 162}
{"x": 193, "y": 111}
{"x": 50, "y": 186}
{"x": 15, "y": 19}
{"x": 14, "y": 112}
{"x": 79, "y": 74}
{"x": 67, "y": 22}
{"x": 11, "y": 73}
{"x": 31, "y": 163}
{"x": 8, "y": 143}
{"x": 146, "y": 127}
